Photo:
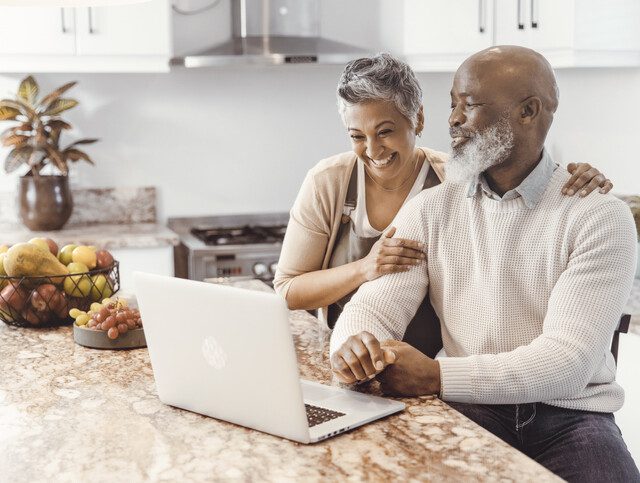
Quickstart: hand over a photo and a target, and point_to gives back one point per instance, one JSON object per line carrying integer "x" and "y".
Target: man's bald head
{"x": 514, "y": 72}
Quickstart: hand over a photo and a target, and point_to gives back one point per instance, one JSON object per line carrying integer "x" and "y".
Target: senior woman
{"x": 339, "y": 234}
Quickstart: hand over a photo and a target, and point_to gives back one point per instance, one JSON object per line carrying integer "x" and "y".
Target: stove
{"x": 229, "y": 246}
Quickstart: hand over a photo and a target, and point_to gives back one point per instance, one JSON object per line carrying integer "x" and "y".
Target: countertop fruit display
{"x": 40, "y": 283}
{"x": 111, "y": 324}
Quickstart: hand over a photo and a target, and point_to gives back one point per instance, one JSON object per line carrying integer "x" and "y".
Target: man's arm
{"x": 385, "y": 306}
{"x": 583, "y": 310}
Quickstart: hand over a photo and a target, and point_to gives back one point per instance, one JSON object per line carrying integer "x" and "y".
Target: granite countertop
{"x": 103, "y": 235}
{"x": 69, "y": 413}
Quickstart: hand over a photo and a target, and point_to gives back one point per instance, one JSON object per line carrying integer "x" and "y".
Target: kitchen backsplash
{"x": 122, "y": 205}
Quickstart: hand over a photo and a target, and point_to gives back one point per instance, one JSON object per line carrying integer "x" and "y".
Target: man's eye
{"x": 470, "y": 104}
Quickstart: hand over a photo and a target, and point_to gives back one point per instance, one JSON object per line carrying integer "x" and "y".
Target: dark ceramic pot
{"x": 45, "y": 202}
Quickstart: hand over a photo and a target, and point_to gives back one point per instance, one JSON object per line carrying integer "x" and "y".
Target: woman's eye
{"x": 356, "y": 137}
{"x": 384, "y": 132}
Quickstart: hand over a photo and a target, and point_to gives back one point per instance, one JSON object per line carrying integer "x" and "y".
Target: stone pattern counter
{"x": 105, "y": 236}
{"x": 68, "y": 413}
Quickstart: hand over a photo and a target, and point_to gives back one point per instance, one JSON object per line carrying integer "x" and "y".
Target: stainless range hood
{"x": 271, "y": 32}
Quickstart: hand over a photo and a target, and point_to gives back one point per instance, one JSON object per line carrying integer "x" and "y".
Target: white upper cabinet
{"x": 120, "y": 38}
{"x": 33, "y": 30}
{"x": 570, "y": 33}
{"x": 138, "y": 29}
{"x": 439, "y": 34}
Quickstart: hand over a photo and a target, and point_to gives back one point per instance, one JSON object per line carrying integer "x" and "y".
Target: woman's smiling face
{"x": 382, "y": 137}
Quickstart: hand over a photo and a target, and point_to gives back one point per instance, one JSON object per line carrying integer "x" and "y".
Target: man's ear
{"x": 530, "y": 109}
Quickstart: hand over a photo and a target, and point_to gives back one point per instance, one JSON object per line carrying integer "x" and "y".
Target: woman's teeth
{"x": 383, "y": 162}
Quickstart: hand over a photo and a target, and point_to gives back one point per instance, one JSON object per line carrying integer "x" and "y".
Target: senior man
{"x": 528, "y": 285}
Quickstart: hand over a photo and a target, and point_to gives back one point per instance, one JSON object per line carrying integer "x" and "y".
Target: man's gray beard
{"x": 485, "y": 149}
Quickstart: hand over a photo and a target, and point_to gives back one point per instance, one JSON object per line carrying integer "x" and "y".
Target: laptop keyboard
{"x": 316, "y": 415}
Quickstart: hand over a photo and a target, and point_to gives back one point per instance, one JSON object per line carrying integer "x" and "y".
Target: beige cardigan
{"x": 315, "y": 217}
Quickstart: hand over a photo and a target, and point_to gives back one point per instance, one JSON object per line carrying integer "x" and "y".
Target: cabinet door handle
{"x": 534, "y": 15}
{"x": 481, "y": 16}
{"x": 91, "y": 29}
{"x": 520, "y": 22}
{"x": 63, "y": 23}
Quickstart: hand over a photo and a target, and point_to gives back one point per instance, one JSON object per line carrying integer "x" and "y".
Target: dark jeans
{"x": 575, "y": 445}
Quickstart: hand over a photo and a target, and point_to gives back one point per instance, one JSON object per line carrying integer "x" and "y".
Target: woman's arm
{"x": 585, "y": 178}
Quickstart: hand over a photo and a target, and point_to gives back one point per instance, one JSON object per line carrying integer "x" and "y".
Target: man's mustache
{"x": 457, "y": 132}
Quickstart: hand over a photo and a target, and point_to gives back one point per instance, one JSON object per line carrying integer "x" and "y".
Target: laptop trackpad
{"x": 340, "y": 399}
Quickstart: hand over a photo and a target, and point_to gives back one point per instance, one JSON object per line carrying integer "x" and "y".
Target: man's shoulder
{"x": 594, "y": 203}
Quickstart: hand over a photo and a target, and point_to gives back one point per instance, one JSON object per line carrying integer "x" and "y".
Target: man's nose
{"x": 456, "y": 118}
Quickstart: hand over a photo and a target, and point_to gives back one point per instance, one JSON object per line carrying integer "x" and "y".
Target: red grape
{"x": 112, "y": 333}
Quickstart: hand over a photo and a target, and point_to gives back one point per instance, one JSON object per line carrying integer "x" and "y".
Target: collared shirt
{"x": 530, "y": 189}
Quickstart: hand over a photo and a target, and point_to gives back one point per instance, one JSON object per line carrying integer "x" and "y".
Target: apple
{"x": 102, "y": 287}
{"x": 77, "y": 267}
{"x": 86, "y": 255}
{"x": 44, "y": 297}
{"x": 12, "y": 301}
{"x": 104, "y": 259}
{"x": 65, "y": 254}
{"x": 40, "y": 242}
{"x": 77, "y": 285}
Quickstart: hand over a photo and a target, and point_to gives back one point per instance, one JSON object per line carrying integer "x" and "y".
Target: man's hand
{"x": 360, "y": 358}
{"x": 412, "y": 373}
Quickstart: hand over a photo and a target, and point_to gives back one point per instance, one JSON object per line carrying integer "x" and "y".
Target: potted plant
{"x": 44, "y": 199}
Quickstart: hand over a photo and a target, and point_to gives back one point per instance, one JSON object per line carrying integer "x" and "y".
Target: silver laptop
{"x": 228, "y": 353}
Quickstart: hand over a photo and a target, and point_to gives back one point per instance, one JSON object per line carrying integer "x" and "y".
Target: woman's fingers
{"x": 578, "y": 179}
{"x": 395, "y": 251}
{"x": 404, "y": 243}
{"x": 606, "y": 186}
{"x": 596, "y": 182}
{"x": 390, "y": 232}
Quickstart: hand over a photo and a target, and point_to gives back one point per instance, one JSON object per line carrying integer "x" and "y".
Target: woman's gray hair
{"x": 382, "y": 77}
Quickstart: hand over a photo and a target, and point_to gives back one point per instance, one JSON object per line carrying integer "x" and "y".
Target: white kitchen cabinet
{"x": 120, "y": 38}
{"x": 439, "y": 34}
{"x": 33, "y": 30}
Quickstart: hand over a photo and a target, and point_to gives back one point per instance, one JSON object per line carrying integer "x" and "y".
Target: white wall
{"x": 240, "y": 139}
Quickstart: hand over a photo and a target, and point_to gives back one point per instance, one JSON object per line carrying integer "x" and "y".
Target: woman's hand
{"x": 585, "y": 178}
{"x": 391, "y": 255}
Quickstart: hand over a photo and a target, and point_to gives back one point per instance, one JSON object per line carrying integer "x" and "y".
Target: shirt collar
{"x": 531, "y": 188}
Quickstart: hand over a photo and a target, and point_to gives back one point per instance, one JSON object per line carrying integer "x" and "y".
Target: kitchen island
{"x": 69, "y": 413}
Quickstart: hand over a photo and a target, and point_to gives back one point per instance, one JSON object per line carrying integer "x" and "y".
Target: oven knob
{"x": 260, "y": 269}
{"x": 273, "y": 267}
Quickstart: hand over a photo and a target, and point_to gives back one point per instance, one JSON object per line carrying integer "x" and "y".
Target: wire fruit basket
{"x": 46, "y": 301}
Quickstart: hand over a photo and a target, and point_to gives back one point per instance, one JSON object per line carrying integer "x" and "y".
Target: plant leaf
{"x": 83, "y": 141}
{"x": 75, "y": 155}
{"x": 8, "y": 113}
{"x": 57, "y": 158}
{"x": 17, "y": 157}
{"x": 14, "y": 140}
{"x": 28, "y": 90}
{"x": 60, "y": 105}
{"x": 57, "y": 124}
{"x": 46, "y": 101}
{"x": 19, "y": 105}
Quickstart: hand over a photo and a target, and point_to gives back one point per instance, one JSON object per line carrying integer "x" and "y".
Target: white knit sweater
{"x": 528, "y": 298}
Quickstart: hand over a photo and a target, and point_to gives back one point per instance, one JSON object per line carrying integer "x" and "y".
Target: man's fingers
{"x": 375, "y": 351}
{"x": 362, "y": 353}
{"x": 389, "y": 356}
{"x": 354, "y": 364}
